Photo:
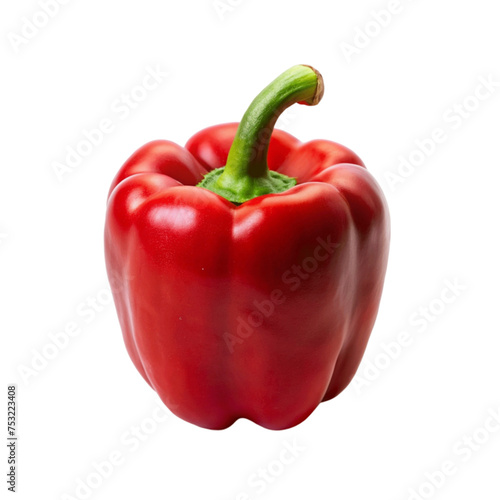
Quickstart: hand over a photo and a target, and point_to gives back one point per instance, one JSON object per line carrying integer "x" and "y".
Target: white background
{"x": 402, "y": 417}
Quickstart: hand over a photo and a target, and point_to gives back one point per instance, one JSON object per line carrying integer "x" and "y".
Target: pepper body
{"x": 260, "y": 310}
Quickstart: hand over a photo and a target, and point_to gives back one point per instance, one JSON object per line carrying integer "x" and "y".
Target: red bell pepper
{"x": 247, "y": 267}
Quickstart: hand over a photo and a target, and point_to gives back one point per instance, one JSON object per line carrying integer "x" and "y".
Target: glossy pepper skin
{"x": 258, "y": 310}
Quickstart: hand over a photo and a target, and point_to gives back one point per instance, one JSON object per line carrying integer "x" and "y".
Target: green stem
{"x": 246, "y": 174}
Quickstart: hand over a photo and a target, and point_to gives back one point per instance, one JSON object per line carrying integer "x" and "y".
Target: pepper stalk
{"x": 246, "y": 174}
